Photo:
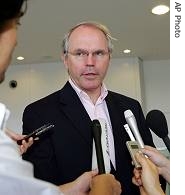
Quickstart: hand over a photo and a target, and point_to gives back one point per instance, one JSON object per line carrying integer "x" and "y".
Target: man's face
{"x": 88, "y": 58}
{"x": 8, "y": 40}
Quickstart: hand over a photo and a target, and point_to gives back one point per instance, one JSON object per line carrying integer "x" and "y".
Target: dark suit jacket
{"x": 65, "y": 152}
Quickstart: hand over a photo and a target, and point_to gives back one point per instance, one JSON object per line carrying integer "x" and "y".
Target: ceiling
{"x": 130, "y": 21}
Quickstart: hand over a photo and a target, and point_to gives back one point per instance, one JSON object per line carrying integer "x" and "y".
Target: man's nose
{"x": 90, "y": 59}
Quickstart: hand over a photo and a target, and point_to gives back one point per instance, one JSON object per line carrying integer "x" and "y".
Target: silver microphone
{"x": 130, "y": 118}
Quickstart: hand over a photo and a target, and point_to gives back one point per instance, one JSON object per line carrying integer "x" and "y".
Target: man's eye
{"x": 80, "y": 53}
{"x": 99, "y": 53}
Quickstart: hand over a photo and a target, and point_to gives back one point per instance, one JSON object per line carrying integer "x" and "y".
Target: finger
{"x": 23, "y": 142}
{"x": 139, "y": 181}
{"x": 150, "y": 148}
{"x": 94, "y": 172}
{"x": 134, "y": 181}
{"x": 141, "y": 158}
{"x": 149, "y": 151}
{"x": 137, "y": 173}
{"x": 30, "y": 141}
{"x": 22, "y": 149}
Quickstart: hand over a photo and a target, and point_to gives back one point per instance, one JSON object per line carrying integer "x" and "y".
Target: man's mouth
{"x": 90, "y": 75}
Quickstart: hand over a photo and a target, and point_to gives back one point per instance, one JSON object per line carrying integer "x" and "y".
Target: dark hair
{"x": 10, "y": 9}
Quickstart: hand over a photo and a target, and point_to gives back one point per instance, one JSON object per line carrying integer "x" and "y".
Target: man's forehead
{"x": 86, "y": 29}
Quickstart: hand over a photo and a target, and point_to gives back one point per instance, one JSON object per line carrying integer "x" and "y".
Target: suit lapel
{"x": 116, "y": 116}
{"x": 72, "y": 107}
{"x": 120, "y": 136}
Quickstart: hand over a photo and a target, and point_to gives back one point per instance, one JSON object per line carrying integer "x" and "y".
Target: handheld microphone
{"x": 156, "y": 121}
{"x": 36, "y": 133}
{"x": 130, "y": 118}
{"x": 96, "y": 130}
{"x": 127, "y": 128}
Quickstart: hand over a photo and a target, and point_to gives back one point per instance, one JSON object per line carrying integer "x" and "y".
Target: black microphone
{"x": 96, "y": 130}
{"x": 156, "y": 121}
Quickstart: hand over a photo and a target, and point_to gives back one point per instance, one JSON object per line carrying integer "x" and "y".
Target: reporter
{"x": 10, "y": 13}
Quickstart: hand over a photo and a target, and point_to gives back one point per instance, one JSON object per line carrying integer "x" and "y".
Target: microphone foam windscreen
{"x": 156, "y": 121}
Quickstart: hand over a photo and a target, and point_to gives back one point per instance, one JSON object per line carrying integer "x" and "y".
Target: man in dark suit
{"x": 64, "y": 153}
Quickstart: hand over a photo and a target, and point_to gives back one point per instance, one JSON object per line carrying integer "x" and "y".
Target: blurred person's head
{"x": 10, "y": 13}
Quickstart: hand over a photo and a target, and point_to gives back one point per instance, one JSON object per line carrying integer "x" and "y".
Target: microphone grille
{"x": 128, "y": 113}
{"x": 156, "y": 121}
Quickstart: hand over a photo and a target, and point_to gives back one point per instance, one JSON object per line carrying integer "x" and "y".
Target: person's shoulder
{"x": 120, "y": 97}
{"x": 46, "y": 100}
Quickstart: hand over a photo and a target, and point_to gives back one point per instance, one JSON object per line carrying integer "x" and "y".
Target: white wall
{"x": 156, "y": 76}
{"x": 34, "y": 81}
{"x": 124, "y": 77}
{"x": 150, "y": 86}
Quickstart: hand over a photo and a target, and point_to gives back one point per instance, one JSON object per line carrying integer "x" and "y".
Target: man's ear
{"x": 64, "y": 59}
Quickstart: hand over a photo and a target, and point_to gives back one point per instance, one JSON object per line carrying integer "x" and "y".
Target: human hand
{"x": 105, "y": 184}
{"x": 15, "y": 137}
{"x": 162, "y": 163}
{"x": 148, "y": 177}
{"x": 155, "y": 156}
{"x": 80, "y": 186}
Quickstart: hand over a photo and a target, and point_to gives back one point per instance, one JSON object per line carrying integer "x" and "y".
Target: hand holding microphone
{"x": 148, "y": 178}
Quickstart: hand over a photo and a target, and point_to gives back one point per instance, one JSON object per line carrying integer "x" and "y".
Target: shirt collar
{"x": 81, "y": 93}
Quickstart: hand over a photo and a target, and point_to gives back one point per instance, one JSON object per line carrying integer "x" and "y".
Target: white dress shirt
{"x": 98, "y": 110}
